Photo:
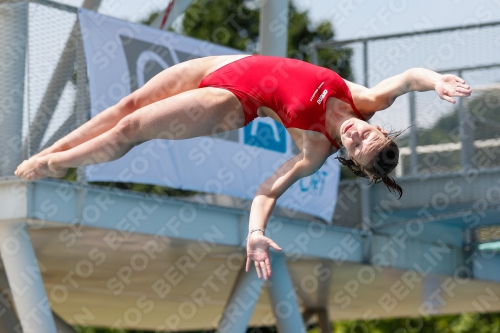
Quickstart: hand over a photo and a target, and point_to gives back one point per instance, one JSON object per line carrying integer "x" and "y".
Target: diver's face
{"x": 361, "y": 139}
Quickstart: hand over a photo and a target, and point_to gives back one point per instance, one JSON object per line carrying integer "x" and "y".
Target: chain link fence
{"x": 54, "y": 76}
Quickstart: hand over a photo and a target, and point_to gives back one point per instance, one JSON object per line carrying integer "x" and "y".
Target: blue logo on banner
{"x": 266, "y": 133}
{"x": 314, "y": 184}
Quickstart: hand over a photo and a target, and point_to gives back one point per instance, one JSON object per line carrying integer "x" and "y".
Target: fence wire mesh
{"x": 13, "y": 38}
{"x": 51, "y": 77}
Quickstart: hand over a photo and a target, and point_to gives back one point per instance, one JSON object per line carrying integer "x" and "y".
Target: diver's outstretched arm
{"x": 301, "y": 165}
{"x": 446, "y": 86}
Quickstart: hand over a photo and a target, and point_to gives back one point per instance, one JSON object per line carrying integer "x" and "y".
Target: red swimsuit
{"x": 296, "y": 90}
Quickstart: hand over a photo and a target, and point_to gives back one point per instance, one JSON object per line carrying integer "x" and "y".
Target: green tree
{"x": 462, "y": 323}
{"x": 225, "y": 22}
{"x": 235, "y": 23}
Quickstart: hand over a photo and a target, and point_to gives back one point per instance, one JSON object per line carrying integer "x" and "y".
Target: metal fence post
{"x": 365, "y": 63}
{"x": 82, "y": 109}
{"x": 466, "y": 134}
{"x": 413, "y": 135}
{"x": 25, "y": 279}
{"x": 313, "y": 54}
{"x": 283, "y": 299}
{"x": 468, "y": 251}
{"x": 272, "y": 41}
{"x": 241, "y": 303}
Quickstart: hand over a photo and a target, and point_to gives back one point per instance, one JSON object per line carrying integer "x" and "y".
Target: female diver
{"x": 320, "y": 110}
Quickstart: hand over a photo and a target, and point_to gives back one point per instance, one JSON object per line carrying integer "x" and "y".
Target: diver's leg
{"x": 190, "y": 114}
{"x": 171, "y": 81}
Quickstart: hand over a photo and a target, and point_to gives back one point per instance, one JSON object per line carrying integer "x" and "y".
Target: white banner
{"x": 233, "y": 163}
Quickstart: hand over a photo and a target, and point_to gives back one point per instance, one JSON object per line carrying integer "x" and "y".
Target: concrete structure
{"x": 149, "y": 262}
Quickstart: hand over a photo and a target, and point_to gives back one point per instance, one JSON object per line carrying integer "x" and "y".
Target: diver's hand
{"x": 258, "y": 251}
{"x": 449, "y": 86}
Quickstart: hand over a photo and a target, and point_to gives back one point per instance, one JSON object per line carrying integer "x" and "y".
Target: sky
{"x": 360, "y": 18}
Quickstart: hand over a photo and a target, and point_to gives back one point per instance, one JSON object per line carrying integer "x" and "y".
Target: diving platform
{"x": 115, "y": 258}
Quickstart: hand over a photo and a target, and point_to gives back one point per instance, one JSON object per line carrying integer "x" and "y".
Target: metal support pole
{"x": 365, "y": 63}
{"x": 313, "y": 54}
{"x": 283, "y": 298}
{"x": 273, "y": 29}
{"x": 468, "y": 252}
{"x": 13, "y": 38}
{"x": 82, "y": 109}
{"x": 25, "y": 279}
{"x": 62, "y": 326}
{"x": 366, "y": 218}
{"x": 239, "y": 308}
{"x": 413, "y": 135}
{"x": 466, "y": 134}
{"x": 323, "y": 321}
{"x": 308, "y": 314}
{"x": 8, "y": 318}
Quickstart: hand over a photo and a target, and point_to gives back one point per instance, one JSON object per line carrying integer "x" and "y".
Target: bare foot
{"x": 37, "y": 168}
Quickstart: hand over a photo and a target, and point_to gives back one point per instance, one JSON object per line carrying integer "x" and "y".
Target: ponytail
{"x": 391, "y": 185}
